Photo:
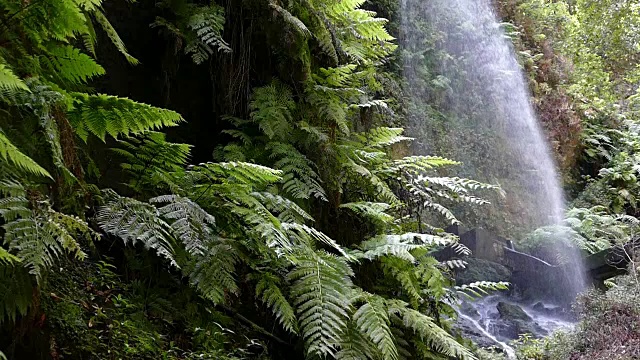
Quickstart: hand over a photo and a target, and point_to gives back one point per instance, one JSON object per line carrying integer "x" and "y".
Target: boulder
{"x": 482, "y": 270}
{"x": 513, "y": 322}
{"x": 511, "y": 312}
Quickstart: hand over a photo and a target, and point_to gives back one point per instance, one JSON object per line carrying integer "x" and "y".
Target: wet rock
{"x": 512, "y": 312}
{"x": 482, "y": 270}
{"x": 513, "y": 322}
{"x": 468, "y": 309}
{"x": 468, "y": 330}
{"x": 539, "y": 306}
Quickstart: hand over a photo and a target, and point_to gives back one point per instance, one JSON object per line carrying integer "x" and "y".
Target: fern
{"x": 354, "y": 345}
{"x": 207, "y": 23}
{"x": 113, "y": 35}
{"x": 287, "y": 210}
{"x": 39, "y": 238}
{"x": 189, "y": 222}
{"x": 429, "y": 332}
{"x": 213, "y": 273}
{"x": 373, "y": 211}
{"x": 71, "y": 65}
{"x": 9, "y": 82}
{"x": 16, "y": 292}
{"x": 481, "y": 288}
{"x": 134, "y": 221}
{"x": 269, "y": 293}
{"x": 372, "y": 319}
{"x": 11, "y": 154}
{"x": 300, "y": 178}
{"x": 104, "y": 114}
{"x": 271, "y": 108}
{"x": 321, "y": 284}
{"x": 150, "y": 159}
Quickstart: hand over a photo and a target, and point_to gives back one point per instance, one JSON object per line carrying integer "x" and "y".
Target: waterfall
{"x": 469, "y": 100}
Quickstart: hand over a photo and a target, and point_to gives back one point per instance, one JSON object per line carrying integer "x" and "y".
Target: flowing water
{"x": 468, "y": 100}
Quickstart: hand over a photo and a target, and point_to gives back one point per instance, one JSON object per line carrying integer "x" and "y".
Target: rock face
{"x": 513, "y": 321}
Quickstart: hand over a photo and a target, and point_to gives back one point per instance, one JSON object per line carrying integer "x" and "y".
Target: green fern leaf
{"x": 134, "y": 221}
{"x": 372, "y": 319}
{"x": 321, "y": 290}
{"x": 12, "y": 155}
{"x": 71, "y": 65}
{"x": 9, "y": 82}
{"x": 113, "y": 35}
{"x": 268, "y": 292}
{"x": 104, "y": 114}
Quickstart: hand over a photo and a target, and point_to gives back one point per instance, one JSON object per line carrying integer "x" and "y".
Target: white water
{"x": 489, "y": 317}
{"x": 458, "y": 61}
{"x": 508, "y": 350}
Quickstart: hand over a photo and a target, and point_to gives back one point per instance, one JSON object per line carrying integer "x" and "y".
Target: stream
{"x": 483, "y": 322}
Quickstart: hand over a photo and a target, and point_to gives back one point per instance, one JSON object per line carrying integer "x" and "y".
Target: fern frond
{"x": 268, "y": 292}
{"x": 287, "y": 210}
{"x": 382, "y": 137}
{"x": 16, "y": 292}
{"x": 104, "y": 114}
{"x": 429, "y": 332}
{"x": 321, "y": 290}
{"x": 371, "y": 210}
{"x": 354, "y": 345}
{"x": 39, "y": 239}
{"x": 207, "y": 22}
{"x": 12, "y": 155}
{"x": 113, "y": 35}
{"x": 71, "y": 65}
{"x": 300, "y": 178}
{"x": 9, "y": 82}
{"x": 257, "y": 176}
{"x": 189, "y": 222}
{"x": 372, "y": 319}
{"x": 213, "y": 273}
{"x": 310, "y": 235}
{"x": 481, "y": 288}
{"x": 134, "y": 221}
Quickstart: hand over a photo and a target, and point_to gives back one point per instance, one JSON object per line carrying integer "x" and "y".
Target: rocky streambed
{"x": 496, "y": 320}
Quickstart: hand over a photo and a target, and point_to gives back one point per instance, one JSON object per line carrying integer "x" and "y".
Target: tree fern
{"x": 321, "y": 290}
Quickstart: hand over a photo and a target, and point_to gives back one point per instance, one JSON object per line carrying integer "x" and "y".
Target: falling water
{"x": 469, "y": 100}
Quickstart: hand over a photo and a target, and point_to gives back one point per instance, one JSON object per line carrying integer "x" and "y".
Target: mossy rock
{"x": 482, "y": 270}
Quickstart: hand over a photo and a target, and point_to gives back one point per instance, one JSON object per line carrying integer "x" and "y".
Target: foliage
{"x": 187, "y": 246}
